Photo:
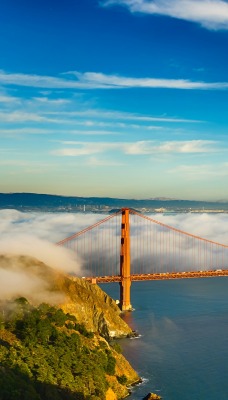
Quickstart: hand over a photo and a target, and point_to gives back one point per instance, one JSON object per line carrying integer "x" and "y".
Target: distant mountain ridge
{"x": 57, "y": 202}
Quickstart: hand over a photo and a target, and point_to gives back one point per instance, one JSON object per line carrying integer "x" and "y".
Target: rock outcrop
{"x": 94, "y": 307}
{"x": 76, "y": 296}
{"x": 152, "y": 396}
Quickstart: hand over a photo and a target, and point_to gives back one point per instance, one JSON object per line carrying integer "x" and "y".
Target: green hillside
{"x": 46, "y": 354}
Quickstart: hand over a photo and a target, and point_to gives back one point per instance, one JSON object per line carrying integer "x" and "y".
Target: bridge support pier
{"x": 125, "y": 259}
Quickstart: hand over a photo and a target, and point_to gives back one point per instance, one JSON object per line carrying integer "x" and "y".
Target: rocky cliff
{"x": 93, "y": 307}
{"x": 39, "y": 283}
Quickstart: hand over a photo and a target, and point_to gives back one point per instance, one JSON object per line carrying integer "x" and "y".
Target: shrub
{"x": 111, "y": 363}
{"x": 122, "y": 379}
{"x": 116, "y": 346}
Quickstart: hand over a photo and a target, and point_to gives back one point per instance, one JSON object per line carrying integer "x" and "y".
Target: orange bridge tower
{"x": 125, "y": 262}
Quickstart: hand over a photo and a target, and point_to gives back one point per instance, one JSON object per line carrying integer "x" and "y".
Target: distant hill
{"x": 23, "y": 201}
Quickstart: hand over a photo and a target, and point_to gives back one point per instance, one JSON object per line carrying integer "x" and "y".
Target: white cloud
{"x": 25, "y": 131}
{"x": 33, "y": 234}
{"x": 27, "y": 116}
{"x": 27, "y": 243}
{"x": 20, "y": 116}
{"x": 41, "y": 110}
{"x": 135, "y": 148}
{"x": 17, "y": 281}
{"x": 116, "y": 115}
{"x": 94, "y": 80}
{"x": 205, "y": 171}
{"x": 86, "y": 148}
{"x": 116, "y": 81}
{"x": 38, "y": 81}
{"x": 91, "y": 132}
{"x": 55, "y": 102}
{"x": 192, "y": 146}
{"x": 211, "y": 14}
{"x": 8, "y": 99}
{"x": 42, "y": 131}
{"x": 98, "y": 162}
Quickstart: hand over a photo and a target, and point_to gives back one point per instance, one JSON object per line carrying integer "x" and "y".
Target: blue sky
{"x": 119, "y": 98}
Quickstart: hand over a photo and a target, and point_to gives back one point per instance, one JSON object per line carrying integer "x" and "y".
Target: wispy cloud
{"x": 116, "y": 115}
{"x": 60, "y": 116}
{"x": 98, "y": 162}
{"x": 211, "y": 14}
{"x": 20, "y": 116}
{"x": 52, "y": 102}
{"x": 18, "y": 236}
{"x": 192, "y": 146}
{"x": 87, "y": 132}
{"x": 205, "y": 171}
{"x": 38, "y": 81}
{"x": 135, "y": 148}
{"x": 86, "y": 148}
{"x": 94, "y": 80}
{"x": 4, "y": 98}
{"x": 24, "y": 131}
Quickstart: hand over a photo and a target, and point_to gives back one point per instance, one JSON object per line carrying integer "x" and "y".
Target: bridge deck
{"x": 159, "y": 276}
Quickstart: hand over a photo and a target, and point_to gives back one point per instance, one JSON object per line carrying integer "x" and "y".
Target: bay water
{"x": 182, "y": 349}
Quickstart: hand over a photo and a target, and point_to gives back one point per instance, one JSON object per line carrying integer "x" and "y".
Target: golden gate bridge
{"x": 128, "y": 246}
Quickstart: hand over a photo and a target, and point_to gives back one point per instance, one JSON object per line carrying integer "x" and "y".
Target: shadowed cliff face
{"x": 28, "y": 277}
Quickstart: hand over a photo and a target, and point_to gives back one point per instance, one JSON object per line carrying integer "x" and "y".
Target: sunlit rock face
{"x": 95, "y": 308}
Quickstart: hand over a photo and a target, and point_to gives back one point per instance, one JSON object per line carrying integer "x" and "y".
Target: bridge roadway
{"x": 159, "y": 276}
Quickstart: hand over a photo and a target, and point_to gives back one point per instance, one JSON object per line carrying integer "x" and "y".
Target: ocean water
{"x": 182, "y": 351}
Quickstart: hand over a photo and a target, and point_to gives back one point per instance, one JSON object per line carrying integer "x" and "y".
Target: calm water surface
{"x": 182, "y": 353}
